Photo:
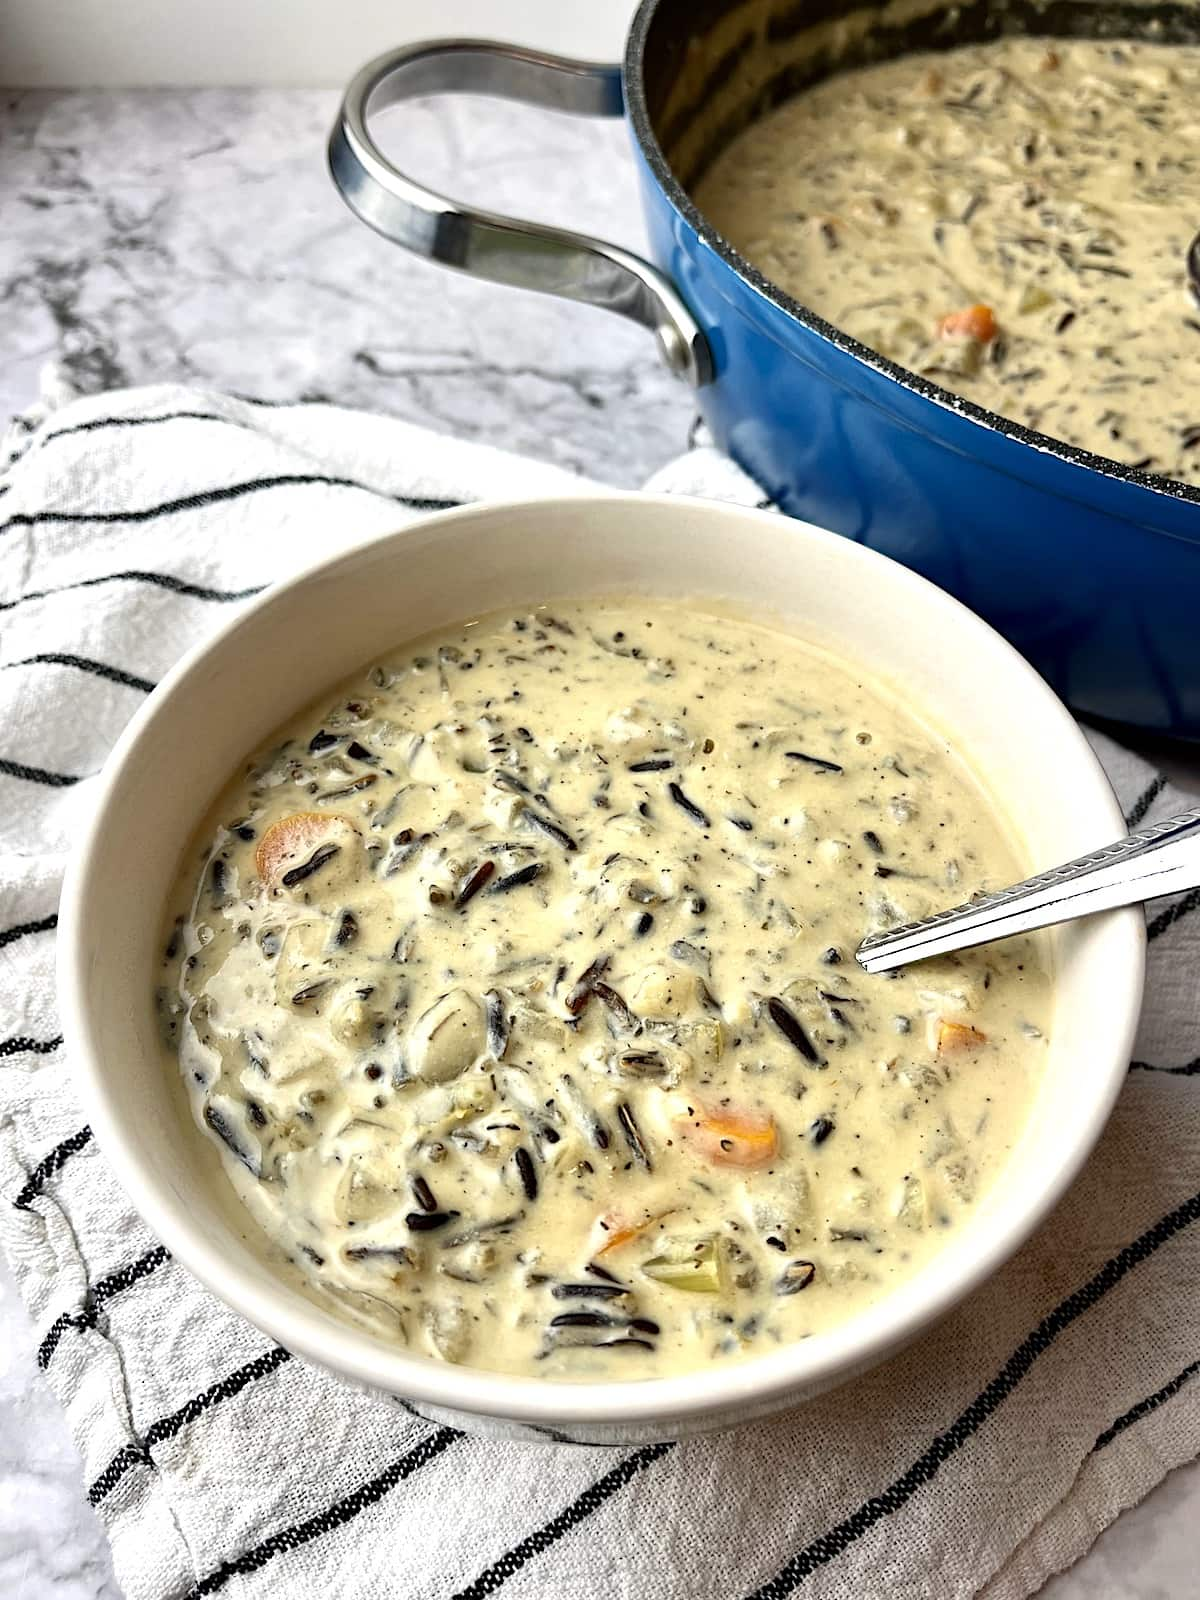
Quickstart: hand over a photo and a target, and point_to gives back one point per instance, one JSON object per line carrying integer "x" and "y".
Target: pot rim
{"x": 638, "y": 115}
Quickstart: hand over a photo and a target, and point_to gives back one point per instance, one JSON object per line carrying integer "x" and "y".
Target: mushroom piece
{"x": 352, "y": 1021}
{"x": 448, "y": 1038}
{"x": 361, "y": 1197}
{"x": 448, "y": 1329}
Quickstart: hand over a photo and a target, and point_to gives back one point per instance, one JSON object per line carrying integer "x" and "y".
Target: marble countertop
{"x": 194, "y": 236}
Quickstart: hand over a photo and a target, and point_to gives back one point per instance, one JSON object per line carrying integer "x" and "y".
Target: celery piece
{"x": 693, "y": 1265}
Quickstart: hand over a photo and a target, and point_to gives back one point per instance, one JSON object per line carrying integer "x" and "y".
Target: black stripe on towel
{"x": 217, "y": 496}
{"x": 1146, "y": 1406}
{"x": 52, "y": 780}
{"x": 98, "y": 423}
{"x": 592, "y": 1498}
{"x": 1165, "y": 919}
{"x": 21, "y": 1045}
{"x": 99, "y": 669}
{"x": 49, "y": 1165}
{"x": 281, "y": 405}
{"x": 1189, "y": 1069}
{"x": 968, "y": 1422}
{"x": 1146, "y": 799}
{"x": 103, "y": 1291}
{"x": 22, "y": 928}
{"x": 418, "y": 502}
{"x": 187, "y": 502}
{"x": 342, "y": 1511}
{"x": 167, "y": 1427}
{"x": 163, "y": 580}
{"x": 138, "y": 422}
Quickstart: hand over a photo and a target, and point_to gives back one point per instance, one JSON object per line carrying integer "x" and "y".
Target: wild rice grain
{"x": 688, "y": 807}
{"x": 793, "y": 1031}
{"x": 525, "y": 1168}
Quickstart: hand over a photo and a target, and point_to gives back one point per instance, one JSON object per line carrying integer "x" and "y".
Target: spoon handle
{"x": 1158, "y": 860}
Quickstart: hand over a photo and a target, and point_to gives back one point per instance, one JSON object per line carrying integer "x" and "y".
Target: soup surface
{"x": 1009, "y": 219}
{"x": 515, "y": 983}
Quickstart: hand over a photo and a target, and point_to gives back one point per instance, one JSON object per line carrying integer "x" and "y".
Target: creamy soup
{"x": 515, "y": 984}
{"x": 1010, "y": 219}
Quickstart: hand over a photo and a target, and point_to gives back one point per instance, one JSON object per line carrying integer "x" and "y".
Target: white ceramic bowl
{"x": 305, "y": 635}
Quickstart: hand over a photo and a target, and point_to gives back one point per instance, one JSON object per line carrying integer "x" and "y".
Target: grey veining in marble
{"x": 194, "y": 236}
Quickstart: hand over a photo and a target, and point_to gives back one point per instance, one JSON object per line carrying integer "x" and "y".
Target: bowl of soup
{"x": 461, "y": 963}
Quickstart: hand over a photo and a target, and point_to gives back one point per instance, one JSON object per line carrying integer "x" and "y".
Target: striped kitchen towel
{"x": 979, "y": 1461}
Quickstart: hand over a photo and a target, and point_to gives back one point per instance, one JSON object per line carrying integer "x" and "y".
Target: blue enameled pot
{"x": 1090, "y": 568}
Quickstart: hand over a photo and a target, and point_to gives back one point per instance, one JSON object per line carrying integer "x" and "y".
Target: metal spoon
{"x": 1155, "y": 861}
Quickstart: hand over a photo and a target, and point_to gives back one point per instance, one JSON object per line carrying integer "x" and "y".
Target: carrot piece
{"x": 973, "y": 322}
{"x": 616, "y": 1230}
{"x": 622, "y": 1235}
{"x": 958, "y": 1036}
{"x": 287, "y": 840}
{"x": 729, "y": 1137}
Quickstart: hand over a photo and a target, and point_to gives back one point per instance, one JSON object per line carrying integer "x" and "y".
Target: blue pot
{"x": 1091, "y": 569}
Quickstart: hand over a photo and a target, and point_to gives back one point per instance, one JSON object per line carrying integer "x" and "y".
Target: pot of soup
{"x": 926, "y": 267}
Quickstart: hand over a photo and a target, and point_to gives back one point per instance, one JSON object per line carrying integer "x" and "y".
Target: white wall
{"x": 194, "y": 42}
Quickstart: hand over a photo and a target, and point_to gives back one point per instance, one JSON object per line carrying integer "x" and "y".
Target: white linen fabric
{"x": 978, "y": 1462}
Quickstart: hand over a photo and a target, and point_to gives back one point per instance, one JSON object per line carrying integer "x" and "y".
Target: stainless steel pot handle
{"x": 504, "y": 249}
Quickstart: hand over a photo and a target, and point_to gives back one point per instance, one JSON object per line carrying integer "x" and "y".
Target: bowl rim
{"x": 761, "y": 1382}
